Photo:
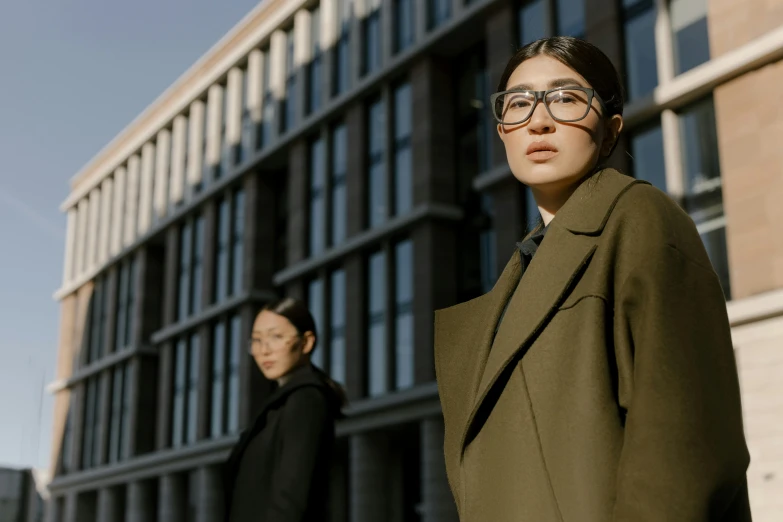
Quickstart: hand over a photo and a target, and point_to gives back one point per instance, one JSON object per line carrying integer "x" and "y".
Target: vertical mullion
{"x": 389, "y": 315}
{"x": 387, "y": 98}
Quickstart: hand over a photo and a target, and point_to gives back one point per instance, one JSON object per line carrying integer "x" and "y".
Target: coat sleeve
{"x": 304, "y": 424}
{"x": 684, "y": 455}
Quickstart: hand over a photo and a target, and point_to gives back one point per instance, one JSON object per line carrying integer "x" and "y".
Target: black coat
{"x": 279, "y": 469}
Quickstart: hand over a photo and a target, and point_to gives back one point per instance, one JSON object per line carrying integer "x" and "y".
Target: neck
{"x": 551, "y": 199}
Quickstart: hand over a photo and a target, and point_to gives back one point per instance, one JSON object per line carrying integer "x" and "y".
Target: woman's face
{"x": 571, "y": 150}
{"x": 277, "y": 347}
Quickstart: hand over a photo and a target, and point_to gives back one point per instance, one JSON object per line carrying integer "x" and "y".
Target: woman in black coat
{"x": 279, "y": 469}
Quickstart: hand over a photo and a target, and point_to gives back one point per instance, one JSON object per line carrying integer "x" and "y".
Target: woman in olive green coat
{"x": 596, "y": 381}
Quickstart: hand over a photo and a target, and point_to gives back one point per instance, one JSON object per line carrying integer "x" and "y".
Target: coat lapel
{"x": 564, "y": 253}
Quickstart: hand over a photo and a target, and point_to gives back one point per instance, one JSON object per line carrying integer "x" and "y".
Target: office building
{"x": 342, "y": 152}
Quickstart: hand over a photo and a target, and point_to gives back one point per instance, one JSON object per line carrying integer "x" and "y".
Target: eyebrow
{"x": 557, "y": 82}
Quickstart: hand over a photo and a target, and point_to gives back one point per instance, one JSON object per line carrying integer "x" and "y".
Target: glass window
{"x": 314, "y": 74}
{"x": 703, "y": 187}
{"x": 238, "y": 243}
{"x": 339, "y": 172}
{"x": 65, "y": 449}
{"x": 192, "y": 405}
{"x": 647, "y": 156}
{"x": 403, "y": 314}
{"x": 315, "y": 302}
{"x": 206, "y": 167}
{"x": 533, "y": 21}
{"x": 125, "y": 415}
{"x": 221, "y": 261}
{"x": 185, "y": 236}
{"x": 268, "y": 116}
{"x": 571, "y": 18}
{"x": 337, "y": 330}
{"x": 317, "y": 197}
{"x": 377, "y": 174}
{"x": 438, "y": 12}
{"x": 641, "y": 65}
{"x": 289, "y": 112}
{"x": 197, "y": 264}
{"x": 235, "y": 349}
{"x": 378, "y": 379}
{"x": 371, "y": 30}
{"x": 91, "y": 422}
{"x": 473, "y": 120}
{"x": 96, "y": 322}
{"x": 225, "y": 152}
{"x": 125, "y": 304}
{"x": 403, "y": 162}
{"x": 488, "y": 242}
{"x": 690, "y": 35}
{"x": 403, "y": 24}
{"x": 218, "y": 379}
{"x": 180, "y": 383}
{"x": 342, "y": 49}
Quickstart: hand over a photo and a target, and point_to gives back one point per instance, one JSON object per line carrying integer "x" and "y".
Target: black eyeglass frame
{"x": 541, "y": 96}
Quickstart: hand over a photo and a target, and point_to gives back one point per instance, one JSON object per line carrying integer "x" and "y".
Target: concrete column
{"x": 131, "y": 201}
{"x": 437, "y": 502}
{"x": 355, "y": 326}
{"x": 70, "y": 511}
{"x": 162, "y": 168}
{"x": 277, "y": 50}
{"x": 146, "y": 188}
{"x": 432, "y": 137}
{"x": 104, "y": 414}
{"x": 70, "y": 243}
{"x": 195, "y": 173}
{"x": 118, "y": 209}
{"x": 110, "y": 505}
{"x": 356, "y": 43}
{"x": 210, "y": 494}
{"x": 303, "y": 47}
{"x": 140, "y": 505}
{"x": 387, "y": 31}
{"x": 501, "y": 42}
{"x": 81, "y": 507}
{"x": 178, "y": 152}
{"x": 109, "y": 336}
{"x": 356, "y": 173}
{"x": 255, "y": 72}
{"x": 233, "y": 113}
{"x": 172, "y": 498}
{"x": 81, "y": 236}
{"x": 214, "y": 123}
{"x": 209, "y": 213}
{"x": 297, "y": 201}
{"x": 434, "y": 273}
{"x": 55, "y": 509}
{"x": 259, "y": 226}
{"x": 419, "y": 21}
{"x": 107, "y": 195}
{"x": 370, "y": 487}
{"x": 165, "y": 395}
{"x": 204, "y": 386}
{"x": 92, "y": 228}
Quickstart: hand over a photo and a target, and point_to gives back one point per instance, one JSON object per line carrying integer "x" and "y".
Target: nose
{"x": 541, "y": 121}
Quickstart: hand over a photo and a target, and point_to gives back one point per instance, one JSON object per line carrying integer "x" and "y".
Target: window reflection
{"x": 289, "y": 103}
{"x": 640, "y": 56}
{"x": 403, "y": 314}
{"x": 317, "y": 197}
{"x": 571, "y": 18}
{"x": 377, "y": 170}
{"x": 403, "y": 163}
{"x": 315, "y": 303}
{"x": 342, "y": 49}
{"x": 337, "y": 327}
{"x": 371, "y": 29}
{"x": 377, "y": 376}
{"x": 690, "y": 34}
{"x": 438, "y": 12}
{"x": 314, "y": 73}
{"x": 647, "y": 156}
{"x": 339, "y": 172}
{"x": 533, "y": 21}
{"x": 403, "y": 24}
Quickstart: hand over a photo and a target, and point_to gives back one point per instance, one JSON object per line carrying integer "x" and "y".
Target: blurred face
{"x": 548, "y": 155}
{"x": 277, "y": 347}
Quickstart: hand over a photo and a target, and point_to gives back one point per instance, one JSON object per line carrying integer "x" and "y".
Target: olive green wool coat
{"x": 610, "y": 392}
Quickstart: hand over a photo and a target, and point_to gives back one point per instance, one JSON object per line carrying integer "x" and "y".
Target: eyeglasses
{"x": 564, "y": 104}
{"x": 274, "y": 342}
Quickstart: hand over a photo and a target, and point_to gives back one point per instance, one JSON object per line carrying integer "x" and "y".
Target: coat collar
{"x": 569, "y": 244}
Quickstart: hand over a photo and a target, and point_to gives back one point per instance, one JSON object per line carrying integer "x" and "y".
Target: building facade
{"x": 21, "y": 498}
{"x": 342, "y": 152}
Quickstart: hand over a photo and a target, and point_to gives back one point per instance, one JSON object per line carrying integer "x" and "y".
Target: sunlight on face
{"x": 546, "y": 154}
{"x": 277, "y": 347}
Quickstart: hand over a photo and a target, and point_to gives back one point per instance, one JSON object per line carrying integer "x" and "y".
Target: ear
{"x": 501, "y": 132}
{"x": 612, "y": 128}
{"x": 309, "y": 342}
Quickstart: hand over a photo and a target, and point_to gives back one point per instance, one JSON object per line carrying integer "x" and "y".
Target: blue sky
{"x": 73, "y": 74}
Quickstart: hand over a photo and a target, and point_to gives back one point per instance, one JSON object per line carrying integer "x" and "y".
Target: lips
{"x": 540, "y": 146}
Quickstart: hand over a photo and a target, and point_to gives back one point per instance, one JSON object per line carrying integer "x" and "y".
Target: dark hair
{"x": 300, "y": 317}
{"x": 583, "y": 57}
